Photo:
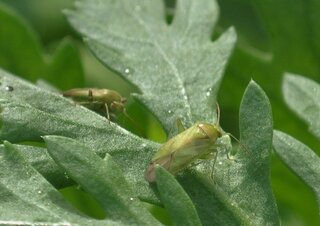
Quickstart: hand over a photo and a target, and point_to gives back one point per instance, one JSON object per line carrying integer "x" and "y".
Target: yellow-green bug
{"x": 196, "y": 142}
{"x": 105, "y": 100}
{"x": 200, "y": 141}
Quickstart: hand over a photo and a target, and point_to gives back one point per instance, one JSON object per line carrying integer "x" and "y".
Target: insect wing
{"x": 150, "y": 174}
{"x": 177, "y": 160}
{"x": 182, "y": 157}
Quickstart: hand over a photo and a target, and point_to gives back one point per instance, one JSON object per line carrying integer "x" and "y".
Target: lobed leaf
{"x": 302, "y": 96}
{"x": 299, "y": 158}
{"x": 175, "y": 200}
{"x": 29, "y": 112}
{"x": 33, "y": 200}
{"x": 240, "y": 190}
{"x": 101, "y": 178}
{"x": 177, "y": 67}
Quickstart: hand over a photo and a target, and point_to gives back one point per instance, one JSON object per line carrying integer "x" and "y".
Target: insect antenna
{"x": 218, "y": 113}
{"x": 236, "y": 139}
{"x": 243, "y": 147}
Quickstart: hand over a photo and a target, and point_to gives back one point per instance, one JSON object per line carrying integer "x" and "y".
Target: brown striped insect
{"x": 104, "y": 101}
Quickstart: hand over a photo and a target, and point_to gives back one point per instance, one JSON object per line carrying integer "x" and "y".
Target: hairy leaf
{"x": 301, "y": 159}
{"x": 32, "y": 200}
{"x": 101, "y": 178}
{"x": 175, "y": 199}
{"x": 29, "y": 112}
{"x": 303, "y": 97}
{"x": 240, "y": 191}
{"x": 177, "y": 67}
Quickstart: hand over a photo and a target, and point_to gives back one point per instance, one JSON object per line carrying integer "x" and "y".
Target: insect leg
{"x": 107, "y": 112}
{"x": 90, "y": 94}
{"x": 214, "y": 163}
{"x": 180, "y": 126}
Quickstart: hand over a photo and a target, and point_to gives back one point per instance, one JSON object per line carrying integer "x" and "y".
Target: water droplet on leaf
{"x": 9, "y": 88}
{"x": 127, "y": 71}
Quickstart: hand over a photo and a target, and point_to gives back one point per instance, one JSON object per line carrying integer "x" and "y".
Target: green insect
{"x": 200, "y": 141}
{"x": 104, "y": 101}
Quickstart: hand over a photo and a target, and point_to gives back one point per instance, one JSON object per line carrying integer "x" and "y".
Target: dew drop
{"x": 127, "y": 71}
{"x": 131, "y": 199}
{"x": 144, "y": 145}
{"x": 208, "y": 93}
{"x": 170, "y": 112}
{"x": 9, "y": 88}
{"x": 220, "y": 163}
{"x": 39, "y": 192}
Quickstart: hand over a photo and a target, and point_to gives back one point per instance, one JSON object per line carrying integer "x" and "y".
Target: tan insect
{"x": 103, "y": 101}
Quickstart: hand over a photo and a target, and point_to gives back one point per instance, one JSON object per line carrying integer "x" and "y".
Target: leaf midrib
{"x": 166, "y": 58}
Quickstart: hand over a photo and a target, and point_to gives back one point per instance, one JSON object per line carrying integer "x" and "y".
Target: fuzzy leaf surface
{"x": 29, "y": 112}
{"x": 300, "y": 158}
{"x": 33, "y": 200}
{"x": 239, "y": 192}
{"x": 177, "y": 67}
{"x": 175, "y": 200}
{"x": 100, "y": 177}
{"x": 303, "y": 97}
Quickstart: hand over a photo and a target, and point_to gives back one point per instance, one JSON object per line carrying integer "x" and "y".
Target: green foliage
{"x": 302, "y": 96}
{"x": 301, "y": 159}
{"x": 22, "y": 54}
{"x": 175, "y": 199}
{"x": 159, "y": 65}
{"x": 177, "y": 70}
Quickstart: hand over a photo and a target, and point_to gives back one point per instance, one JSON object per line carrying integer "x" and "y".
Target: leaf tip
{"x": 6, "y": 143}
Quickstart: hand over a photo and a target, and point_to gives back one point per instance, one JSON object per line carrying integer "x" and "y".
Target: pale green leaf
{"x": 240, "y": 190}
{"x": 26, "y": 198}
{"x": 303, "y": 97}
{"x": 101, "y": 178}
{"x": 300, "y": 158}
{"x": 175, "y": 200}
{"x": 177, "y": 67}
{"x": 28, "y": 112}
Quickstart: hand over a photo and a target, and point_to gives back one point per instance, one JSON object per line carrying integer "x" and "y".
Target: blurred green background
{"x": 37, "y": 43}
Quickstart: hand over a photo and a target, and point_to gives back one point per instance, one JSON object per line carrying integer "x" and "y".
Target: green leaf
{"x": 40, "y": 159}
{"x": 33, "y": 200}
{"x": 134, "y": 44}
{"x": 175, "y": 200}
{"x": 29, "y": 112}
{"x": 240, "y": 191}
{"x": 301, "y": 159}
{"x": 177, "y": 67}
{"x": 303, "y": 97}
{"x": 22, "y": 54}
{"x": 274, "y": 37}
{"x": 101, "y": 178}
